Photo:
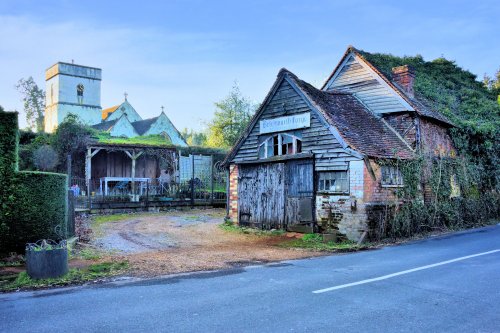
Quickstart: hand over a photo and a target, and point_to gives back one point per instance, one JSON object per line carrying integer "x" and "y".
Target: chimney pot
{"x": 404, "y": 76}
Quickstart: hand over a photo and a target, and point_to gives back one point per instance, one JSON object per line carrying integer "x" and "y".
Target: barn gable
{"x": 286, "y": 99}
{"x": 353, "y": 75}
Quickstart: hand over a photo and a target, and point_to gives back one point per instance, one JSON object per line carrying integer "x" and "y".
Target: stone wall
{"x": 348, "y": 211}
{"x": 233, "y": 193}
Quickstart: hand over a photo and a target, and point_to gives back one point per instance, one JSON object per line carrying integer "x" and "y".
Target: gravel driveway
{"x": 186, "y": 240}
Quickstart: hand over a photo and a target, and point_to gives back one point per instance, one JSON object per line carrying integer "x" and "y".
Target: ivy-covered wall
{"x": 33, "y": 204}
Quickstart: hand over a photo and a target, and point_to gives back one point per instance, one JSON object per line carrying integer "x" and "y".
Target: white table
{"x": 105, "y": 180}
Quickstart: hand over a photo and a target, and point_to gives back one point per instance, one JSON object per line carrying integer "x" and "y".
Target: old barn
{"x": 313, "y": 155}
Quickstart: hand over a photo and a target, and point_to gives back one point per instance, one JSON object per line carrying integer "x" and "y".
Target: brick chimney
{"x": 404, "y": 77}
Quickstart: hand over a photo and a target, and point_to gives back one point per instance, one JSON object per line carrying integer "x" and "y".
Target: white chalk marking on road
{"x": 385, "y": 277}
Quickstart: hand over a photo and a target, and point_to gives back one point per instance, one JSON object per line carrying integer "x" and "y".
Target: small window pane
{"x": 333, "y": 181}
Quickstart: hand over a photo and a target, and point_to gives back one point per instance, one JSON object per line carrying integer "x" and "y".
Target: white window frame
{"x": 324, "y": 173}
{"x": 264, "y": 143}
{"x": 393, "y": 172}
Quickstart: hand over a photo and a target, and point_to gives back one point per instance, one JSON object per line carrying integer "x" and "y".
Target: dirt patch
{"x": 184, "y": 241}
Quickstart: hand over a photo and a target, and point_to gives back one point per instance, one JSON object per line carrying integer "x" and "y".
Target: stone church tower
{"x": 72, "y": 89}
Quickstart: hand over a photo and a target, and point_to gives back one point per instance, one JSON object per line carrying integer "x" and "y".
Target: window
{"x": 79, "y": 92}
{"x": 333, "y": 182}
{"x": 391, "y": 176}
{"x": 280, "y": 144}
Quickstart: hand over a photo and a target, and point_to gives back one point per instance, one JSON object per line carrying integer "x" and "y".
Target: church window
{"x": 79, "y": 92}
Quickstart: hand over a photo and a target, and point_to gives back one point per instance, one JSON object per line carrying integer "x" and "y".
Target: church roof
{"x": 105, "y": 126}
{"x": 142, "y": 126}
{"x": 108, "y": 111}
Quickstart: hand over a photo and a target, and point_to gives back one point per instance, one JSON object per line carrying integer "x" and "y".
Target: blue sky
{"x": 186, "y": 55}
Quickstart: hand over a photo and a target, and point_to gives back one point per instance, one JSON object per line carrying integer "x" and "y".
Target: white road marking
{"x": 385, "y": 277}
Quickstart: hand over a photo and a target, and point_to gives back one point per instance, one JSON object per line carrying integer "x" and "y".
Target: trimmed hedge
{"x": 33, "y": 205}
{"x": 8, "y": 166}
{"x": 41, "y": 207}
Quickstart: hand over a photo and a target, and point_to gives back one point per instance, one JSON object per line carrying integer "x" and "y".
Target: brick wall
{"x": 233, "y": 193}
{"x": 374, "y": 192}
{"x": 404, "y": 124}
{"x": 436, "y": 139}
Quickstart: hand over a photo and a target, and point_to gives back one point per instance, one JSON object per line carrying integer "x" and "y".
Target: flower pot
{"x": 46, "y": 260}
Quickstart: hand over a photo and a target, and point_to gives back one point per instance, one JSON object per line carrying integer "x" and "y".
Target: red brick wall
{"x": 233, "y": 193}
{"x": 373, "y": 190}
{"x": 404, "y": 124}
{"x": 436, "y": 139}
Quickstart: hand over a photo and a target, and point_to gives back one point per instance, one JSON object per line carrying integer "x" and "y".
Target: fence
{"x": 207, "y": 185}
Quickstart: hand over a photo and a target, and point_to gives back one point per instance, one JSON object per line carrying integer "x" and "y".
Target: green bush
{"x": 40, "y": 210}
{"x": 8, "y": 165}
{"x": 33, "y": 205}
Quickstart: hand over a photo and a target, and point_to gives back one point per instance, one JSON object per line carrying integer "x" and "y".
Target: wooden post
{"x": 68, "y": 168}
{"x": 192, "y": 180}
{"x": 88, "y": 169}
{"x": 212, "y": 180}
{"x": 134, "y": 156}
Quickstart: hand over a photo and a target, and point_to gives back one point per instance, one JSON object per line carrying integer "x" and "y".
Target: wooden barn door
{"x": 261, "y": 195}
{"x": 299, "y": 192}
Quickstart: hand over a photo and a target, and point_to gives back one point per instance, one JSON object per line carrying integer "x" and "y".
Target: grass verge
{"x": 315, "y": 242}
{"x": 74, "y": 276}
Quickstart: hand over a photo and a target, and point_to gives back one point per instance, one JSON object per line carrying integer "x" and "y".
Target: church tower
{"x": 72, "y": 89}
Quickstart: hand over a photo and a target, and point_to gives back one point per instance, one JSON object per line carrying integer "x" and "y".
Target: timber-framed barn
{"x": 313, "y": 154}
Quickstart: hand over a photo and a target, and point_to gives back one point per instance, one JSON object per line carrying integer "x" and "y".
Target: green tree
{"x": 194, "y": 138}
{"x": 34, "y": 102}
{"x": 231, "y": 117}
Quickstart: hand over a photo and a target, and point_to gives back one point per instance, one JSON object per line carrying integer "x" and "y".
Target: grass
{"x": 149, "y": 140}
{"x": 89, "y": 254}
{"x": 249, "y": 231}
{"x": 315, "y": 242}
{"x": 74, "y": 276}
{"x": 10, "y": 264}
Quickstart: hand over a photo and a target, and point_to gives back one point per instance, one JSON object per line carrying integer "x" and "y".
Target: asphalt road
{"x": 445, "y": 284}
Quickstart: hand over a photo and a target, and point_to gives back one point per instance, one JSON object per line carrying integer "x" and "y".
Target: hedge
{"x": 33, "y": 205}
{"x": 8, "y": 165}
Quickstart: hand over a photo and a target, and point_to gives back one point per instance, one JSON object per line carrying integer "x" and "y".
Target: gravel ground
{"x": 185, "y": 241}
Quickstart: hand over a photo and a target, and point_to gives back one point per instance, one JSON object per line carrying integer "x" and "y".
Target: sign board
{"x": 302, "y": 120}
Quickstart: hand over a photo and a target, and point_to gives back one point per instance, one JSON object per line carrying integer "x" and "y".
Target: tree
{"x": 34, "y": 102}
{"x": 231, "y": 117}
{"x": 45, "y": 158}
{"x": 194, "y": 138}
{"x": 71, "y": 138}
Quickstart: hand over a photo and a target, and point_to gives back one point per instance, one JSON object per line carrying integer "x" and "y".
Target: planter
{"x": 46, "y": 259}
{"x": 330, "y": 237}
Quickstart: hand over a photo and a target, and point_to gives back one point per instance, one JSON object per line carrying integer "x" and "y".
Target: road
{"x": 443, "y": 284}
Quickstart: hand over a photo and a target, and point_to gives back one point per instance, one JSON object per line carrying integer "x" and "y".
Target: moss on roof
{"x": 151, "y": 140}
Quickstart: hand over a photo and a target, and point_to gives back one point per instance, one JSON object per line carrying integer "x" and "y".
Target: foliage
{"x": 151, "y": 140}
{"x": 39, "y": 210}
{"x": 315, "y": 242}
{"x": 443, "y": 209}
{"x": 45, "y": 158}
{"x": 194, "y": 138}
{"x": 71, "y": 138}
{"x": 8, "y": 166}
{"x": 74, "y": 276}
{"x": 456, "y": 93}
{"x": 33, "y": 101}
{"x": 230, "y": 119}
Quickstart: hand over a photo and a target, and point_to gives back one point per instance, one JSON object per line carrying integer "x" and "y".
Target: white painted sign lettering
{"x": 302, "y": 120}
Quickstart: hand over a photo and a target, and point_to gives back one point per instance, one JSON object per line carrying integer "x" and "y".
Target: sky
{"x": 187, "y": 55}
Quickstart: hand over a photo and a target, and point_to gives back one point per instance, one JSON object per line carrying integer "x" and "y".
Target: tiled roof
{"x": 106, "y": 112}
{"x": 360, "y": 129}
{"x": 105, "y": 125}
{"x": 142, "y": 126}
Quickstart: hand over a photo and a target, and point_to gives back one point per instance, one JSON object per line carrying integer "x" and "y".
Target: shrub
{"x": 45, "y": 158}
{"x": 40, "y": 210}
